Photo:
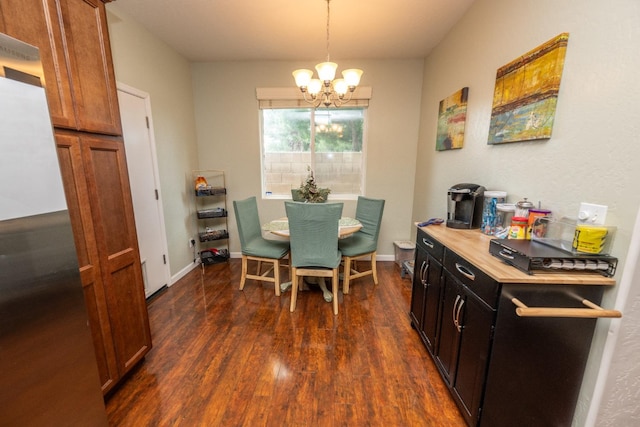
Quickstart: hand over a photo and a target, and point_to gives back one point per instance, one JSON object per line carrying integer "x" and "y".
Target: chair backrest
{"x": 313, "y": 233}
{"x": 296, "y": 195}
{"x": 369, "y": 213}
{"x": 247, "y": 219}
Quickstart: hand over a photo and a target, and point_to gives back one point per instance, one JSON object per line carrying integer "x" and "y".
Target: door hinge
{"x": 146, "y": 118}
{"x": 157, "y": 196}
{"x": 164, "y": 259}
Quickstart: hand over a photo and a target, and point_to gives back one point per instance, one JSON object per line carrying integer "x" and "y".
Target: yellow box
{"x": 590, "y": 239}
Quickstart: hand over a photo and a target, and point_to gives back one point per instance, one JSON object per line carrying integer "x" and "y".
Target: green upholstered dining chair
{"x": 362, "y": 243}
{"x": 313, "y": 235}
{"x": 257, "y": 248}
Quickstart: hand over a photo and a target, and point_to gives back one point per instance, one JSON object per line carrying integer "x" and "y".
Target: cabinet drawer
{"x": 472, "y": 277}
{"x": 430, "y": 245}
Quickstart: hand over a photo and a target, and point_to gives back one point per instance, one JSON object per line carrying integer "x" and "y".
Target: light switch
{"x": 592, "y": 214}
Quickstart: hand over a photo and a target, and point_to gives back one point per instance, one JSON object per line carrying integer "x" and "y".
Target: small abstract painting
{"x": 526, "y": 94}
{"x": 452, "y": 116}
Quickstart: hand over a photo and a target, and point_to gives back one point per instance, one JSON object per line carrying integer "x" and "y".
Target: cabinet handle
{"x": 453, "y": 312}
{"x": 423, "y": 268}
{"x": 457, "y": 321}
{"x": 424, "y": 274}
{"x": 506, "y": 255}
{"x": 465, "y": 272}
{"x": 593, "y": 311}
{"x": 427, "y": 243}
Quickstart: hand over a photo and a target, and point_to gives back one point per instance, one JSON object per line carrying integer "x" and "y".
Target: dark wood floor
{"x": 224, "y": 357}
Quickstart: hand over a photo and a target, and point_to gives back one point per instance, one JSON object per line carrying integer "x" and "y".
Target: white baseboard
{"x": 180, "y": 274}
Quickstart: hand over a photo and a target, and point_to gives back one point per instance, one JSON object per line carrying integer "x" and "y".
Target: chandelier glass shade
{"x": 326, "y": 90}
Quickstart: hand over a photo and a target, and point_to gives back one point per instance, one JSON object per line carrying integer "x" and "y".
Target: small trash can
{"x": 404, "y": 251}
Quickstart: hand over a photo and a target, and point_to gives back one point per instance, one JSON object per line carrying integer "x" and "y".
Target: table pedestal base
{"x": 328, "y": 296}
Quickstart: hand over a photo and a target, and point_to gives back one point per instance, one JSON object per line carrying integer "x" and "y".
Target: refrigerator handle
{"x": 592, "y": 311}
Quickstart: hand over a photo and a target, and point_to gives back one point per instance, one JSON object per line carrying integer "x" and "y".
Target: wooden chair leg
{"x": 294, "y": 289}
{"x": 276, "y": 276}
{"x": 347, "y": 275}
{"x": 336, "y": 284}
{"x": 374, "y": 268}
{"x": 243, "y": 276}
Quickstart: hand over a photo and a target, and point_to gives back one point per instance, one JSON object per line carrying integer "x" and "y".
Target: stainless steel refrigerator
{"x": 48, "y": 370}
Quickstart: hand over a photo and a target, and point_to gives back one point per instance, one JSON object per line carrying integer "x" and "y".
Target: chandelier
{"x": 327, "y": 90}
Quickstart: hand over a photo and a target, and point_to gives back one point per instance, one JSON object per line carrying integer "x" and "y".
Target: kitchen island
{"x": 511, "y": 346}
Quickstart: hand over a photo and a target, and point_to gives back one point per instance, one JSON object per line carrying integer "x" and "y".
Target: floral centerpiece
{"x": 310, "y": 192}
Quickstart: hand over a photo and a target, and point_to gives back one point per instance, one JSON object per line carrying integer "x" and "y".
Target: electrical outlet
{"x": 192, "y": 243}
{"x": 592, "y": 214}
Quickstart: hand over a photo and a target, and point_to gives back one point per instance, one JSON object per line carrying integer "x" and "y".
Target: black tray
{"x": 212, "y": 213}
{"x": 529, "y": 255}
{"x": 210, "y": 191}
{"x": 213, "y": 235}
{"x": 214, "y": 256}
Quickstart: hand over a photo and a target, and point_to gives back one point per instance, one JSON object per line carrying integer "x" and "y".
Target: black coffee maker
{"x": 464, "y": 207}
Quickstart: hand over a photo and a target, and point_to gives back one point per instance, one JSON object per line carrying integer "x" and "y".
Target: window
{"x": 330, "y": 141}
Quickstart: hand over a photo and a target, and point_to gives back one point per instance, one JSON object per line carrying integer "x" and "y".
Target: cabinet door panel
{"x": 448, "y": 345}
{"x": 92, "y": 76}
{"x": 433, "y": 274}
{"x": 37, "y": 22}
{"x": 418, "y": 289}
{"x": 102, "y": 343}
{"x": 132, "y": 338}
{"x": 73, "y": 178}
{"x": 475, "y": 342}
{"x": 112, "y": 210}
{"x": 541, "y": 360}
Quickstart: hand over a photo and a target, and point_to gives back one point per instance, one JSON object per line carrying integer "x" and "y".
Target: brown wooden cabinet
{"x": 78, "y": 202}
{"x": 74, "y": 46}
{"x": 73, "y": 39}
{"x": 97, "y": 187}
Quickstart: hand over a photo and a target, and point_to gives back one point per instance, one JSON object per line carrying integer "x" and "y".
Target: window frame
{"x": 313, "y": 154}
{"x": 292, "y": 98}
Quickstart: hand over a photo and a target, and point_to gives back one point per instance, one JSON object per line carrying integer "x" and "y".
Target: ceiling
{"x": 214, "y": 30}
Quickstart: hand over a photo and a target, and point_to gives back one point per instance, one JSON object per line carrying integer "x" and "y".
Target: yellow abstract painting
{"x": 526, "y": 94}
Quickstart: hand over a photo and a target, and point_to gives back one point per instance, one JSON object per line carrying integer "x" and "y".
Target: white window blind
{"x": 291, "y": 97}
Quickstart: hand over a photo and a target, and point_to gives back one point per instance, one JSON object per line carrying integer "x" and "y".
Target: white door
{"x": 135, "y": 112}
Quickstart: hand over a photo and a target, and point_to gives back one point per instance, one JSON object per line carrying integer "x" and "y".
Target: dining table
{"x": 280, "y": 227}
{"x": 346, "y": 227}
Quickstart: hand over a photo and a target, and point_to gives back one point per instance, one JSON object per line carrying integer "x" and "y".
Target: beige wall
{"x": 593, "y": 153}
{"x": 145, "y": 63}
{"x": 227, "y": 120}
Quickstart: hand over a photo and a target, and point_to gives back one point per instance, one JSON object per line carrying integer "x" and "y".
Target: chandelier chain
{"x": 328, "y": 17}
{"x": 327, "y": 90}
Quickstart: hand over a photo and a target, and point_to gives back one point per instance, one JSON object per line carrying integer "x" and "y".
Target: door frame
{"x": 156, "y": 174}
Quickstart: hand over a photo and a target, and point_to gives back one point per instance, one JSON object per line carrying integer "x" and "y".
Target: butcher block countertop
{"x": 473, "y": 246}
